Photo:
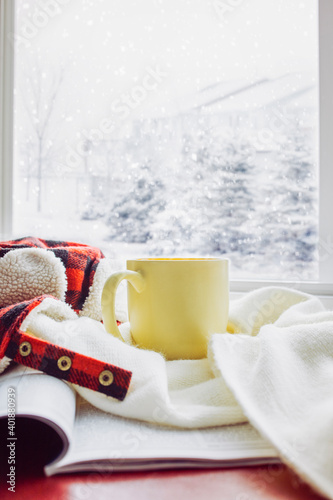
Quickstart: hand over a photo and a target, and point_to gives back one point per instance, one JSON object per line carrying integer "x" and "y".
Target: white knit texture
{"x": 283, "y": 380}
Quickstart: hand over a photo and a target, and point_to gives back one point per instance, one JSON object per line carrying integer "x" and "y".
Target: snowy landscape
{"x": 230, "y": 170}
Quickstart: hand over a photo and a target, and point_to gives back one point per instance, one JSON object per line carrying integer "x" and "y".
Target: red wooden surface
{"x": 36, "y": 445}
{"x": 251, "y": 483}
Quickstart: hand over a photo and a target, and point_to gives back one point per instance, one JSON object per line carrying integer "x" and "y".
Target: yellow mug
{"x": 174, "y": 305}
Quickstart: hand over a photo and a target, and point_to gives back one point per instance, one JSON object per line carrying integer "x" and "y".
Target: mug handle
{"x": 109, "y": 298}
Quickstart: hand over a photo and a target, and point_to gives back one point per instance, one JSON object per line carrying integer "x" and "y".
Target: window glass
{"x": 171, "y": 127}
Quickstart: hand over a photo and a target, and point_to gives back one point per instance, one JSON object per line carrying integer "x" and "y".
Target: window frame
{"x": 324, "y": 287}
{"x": 7, "y": 11}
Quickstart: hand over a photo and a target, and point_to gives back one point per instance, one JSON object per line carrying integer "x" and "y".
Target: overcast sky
{"x": 107, "y": 45}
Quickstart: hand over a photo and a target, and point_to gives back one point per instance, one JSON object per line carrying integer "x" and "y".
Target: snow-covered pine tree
{"x": 131, "y": 218}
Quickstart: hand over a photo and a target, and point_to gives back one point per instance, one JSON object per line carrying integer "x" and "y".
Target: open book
{"x": 90, "y": 439}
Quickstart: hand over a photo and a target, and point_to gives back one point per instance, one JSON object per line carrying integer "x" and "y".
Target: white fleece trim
{"x": 4, "y": 363}
{"x": 92, "y": 305}
{"x": 55, "y": 309}
{"x": 27, "y": 273}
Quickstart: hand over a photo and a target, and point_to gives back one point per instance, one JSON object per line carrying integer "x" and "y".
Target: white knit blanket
{"x": 275, "y": 370}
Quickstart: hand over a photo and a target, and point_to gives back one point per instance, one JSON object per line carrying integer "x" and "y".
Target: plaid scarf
{"x": 80, "y": 262}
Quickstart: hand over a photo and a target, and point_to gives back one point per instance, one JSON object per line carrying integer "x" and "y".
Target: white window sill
{"x": 324, "y": 291}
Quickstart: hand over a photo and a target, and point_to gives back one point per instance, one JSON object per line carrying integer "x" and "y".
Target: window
{"x": 179, "y": 128}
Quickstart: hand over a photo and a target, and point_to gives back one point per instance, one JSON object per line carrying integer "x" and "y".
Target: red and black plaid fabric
{"x": 80, "y": 262}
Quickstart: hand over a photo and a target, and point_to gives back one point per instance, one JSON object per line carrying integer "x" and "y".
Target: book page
{"x": 41, "y": 397}
{"x": 123, "y": 443}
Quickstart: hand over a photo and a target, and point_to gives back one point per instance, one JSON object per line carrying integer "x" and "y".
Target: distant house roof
{"x": 237, "y": 96}
{"x": 240, "y": 96}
